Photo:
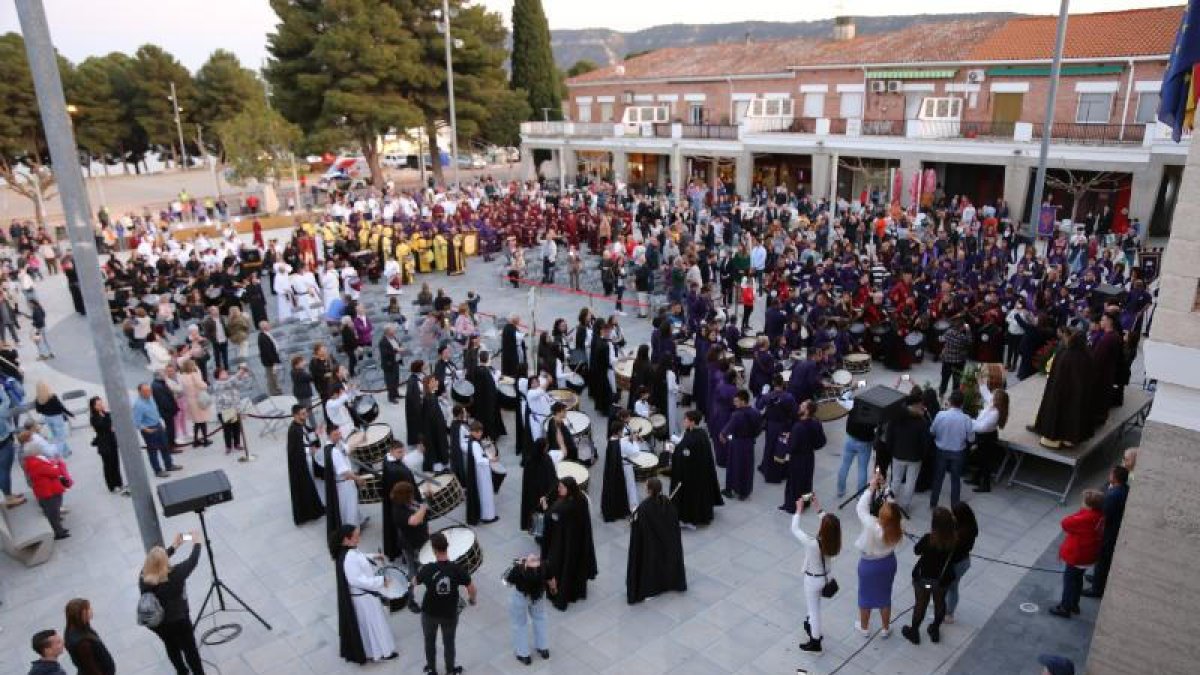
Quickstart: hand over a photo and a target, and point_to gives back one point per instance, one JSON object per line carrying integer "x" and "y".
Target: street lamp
{"x": 72, "y": 111}
{"x": 443, "y": 26}
{"x": 179, "y": 127}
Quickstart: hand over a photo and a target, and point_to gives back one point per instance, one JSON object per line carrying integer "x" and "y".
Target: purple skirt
{"x": 875, "y": 581}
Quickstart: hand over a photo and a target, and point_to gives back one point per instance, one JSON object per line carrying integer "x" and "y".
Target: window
{"x": 585, "y": 112}
{"x": 941, "y": 108}
{"x": 740, "y": 108}
{"x": 814, "y": 105}
{"x": 851, "y": 104}
{"x": 1094, "y": 108}
{"x": 696, "y": 113}
{"x": 1147, "y": 107}
{"x": 606, "y": 112}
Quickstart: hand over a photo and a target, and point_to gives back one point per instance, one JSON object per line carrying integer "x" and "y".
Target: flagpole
{"x": 1039, "y": 184}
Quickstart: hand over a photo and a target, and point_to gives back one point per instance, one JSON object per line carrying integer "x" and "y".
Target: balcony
{"x": 1060, "y": 132}
{"x": 568, "y": 129}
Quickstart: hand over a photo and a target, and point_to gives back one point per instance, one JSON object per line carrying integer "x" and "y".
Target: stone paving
{"x": 741, "y": 614}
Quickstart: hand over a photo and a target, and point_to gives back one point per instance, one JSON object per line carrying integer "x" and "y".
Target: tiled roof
{"x": 1105, "y": 34}
{"x": 1127, "y": 33}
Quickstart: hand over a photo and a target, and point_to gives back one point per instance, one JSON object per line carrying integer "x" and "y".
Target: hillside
{"x": 606, "y": 46}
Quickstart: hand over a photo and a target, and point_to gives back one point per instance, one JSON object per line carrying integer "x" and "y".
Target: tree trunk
{"x": 435, "y": 153}
{"x": 371, "y": 153}
{"x": 1076, "y": 196}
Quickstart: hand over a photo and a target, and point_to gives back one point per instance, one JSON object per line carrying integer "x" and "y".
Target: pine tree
{"x": 225, "y": 89}
{"x": 155, "y": 70}
{"x": 533, "y": 66}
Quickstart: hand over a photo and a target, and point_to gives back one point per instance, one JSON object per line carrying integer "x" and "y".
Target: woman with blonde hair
{"x": 198, "y": 402}
{"x": 237, "y": 328}
{"x": 54, "y": 414}
{"x": 817, "y": 552}
{"x": 880, "y": 537}
{"x": 169, "y": 585}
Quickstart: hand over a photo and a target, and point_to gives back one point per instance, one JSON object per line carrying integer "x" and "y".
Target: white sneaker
{"x": 885, "y": 633}
{"x": 865, "y": 632}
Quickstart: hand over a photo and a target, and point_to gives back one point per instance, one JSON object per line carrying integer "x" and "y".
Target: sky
{"x": 192, "y": 29}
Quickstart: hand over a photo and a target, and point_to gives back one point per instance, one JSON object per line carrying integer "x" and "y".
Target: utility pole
{"x": 43, "y": 66}
{"x": 1048, "y": 121}
{"x": 450, "y": 93}
{"x": 179, "y": 128}
{"x": 212, "y": 165}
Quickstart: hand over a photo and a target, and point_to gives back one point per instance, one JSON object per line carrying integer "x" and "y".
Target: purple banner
{"x": 1046, "y": 221}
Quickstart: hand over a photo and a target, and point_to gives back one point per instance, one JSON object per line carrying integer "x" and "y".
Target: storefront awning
{"x": 1033, "y": 71}
{"x": 910, "y": 74}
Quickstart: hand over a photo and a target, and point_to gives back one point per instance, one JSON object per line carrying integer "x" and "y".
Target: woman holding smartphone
{"x": 817, "y": 551}
{"x": 168, "y": 583}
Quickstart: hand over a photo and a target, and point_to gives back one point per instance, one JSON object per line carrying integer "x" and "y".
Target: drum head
{"x": 578, "y": 422}
{"x": 377, "y": 433}
{"x": 464, "y": 388}
{"x": 398, "y": 582}
{"x": 658, "y": 421}
{"x": 645, "y": 460}
{"x": 575, "y": 470}
{"x": 842, "y": 378}
{"x": 640, "y": 426}
{"x": 913, "y": 339}
{"x": 747, "y": 343}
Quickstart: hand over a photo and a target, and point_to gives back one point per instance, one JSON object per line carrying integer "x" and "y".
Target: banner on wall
{"x": 1046, "y": 221}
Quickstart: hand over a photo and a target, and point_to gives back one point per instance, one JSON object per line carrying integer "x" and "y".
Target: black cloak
{"x": 434, "y": 434}
{"x": 457, "y": 461}
{"x": 614, "y": 500}
{"x": 805, "y": 437}
{"x": 412, "y": 408}
{"x": 1066, "y": 411}
{"x": 655, "y": 551}
{"x": 306, "y": 503}
{"x": 569, "y": 449}
{"x": 570, "y": 555}
{"x": 350, "y": 643}
{"x": 394, "y": 471}
{"x": 599, "y": 386}
{"x": 510, "y": 352}
{"x": 485, "y": 407}
{"x": 694, "y": 474}
{"x": 471, "y": 485}
{"x": 333, "y": 509}
{"x": 538, "y": 479}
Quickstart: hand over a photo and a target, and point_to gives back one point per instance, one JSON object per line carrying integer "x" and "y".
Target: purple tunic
{"x": 722, "y": 407}
{"x": 779, "y": 410}
{"x": 742, "y": 431}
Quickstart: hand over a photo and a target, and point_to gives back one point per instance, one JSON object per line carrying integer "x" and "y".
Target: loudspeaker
{"x": 1105, "y": 293}
{"x": 194, "y": 493}
{"x": 876, "y": 405}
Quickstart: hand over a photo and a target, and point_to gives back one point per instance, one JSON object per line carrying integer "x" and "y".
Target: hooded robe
{"x": 655, "y": 562}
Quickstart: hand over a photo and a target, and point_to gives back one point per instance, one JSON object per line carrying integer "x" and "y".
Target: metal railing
{"x": 883, "y": 127}
{"x": 727, "y": 132}
{"x": 542, "y": 128}
{"x": 662, "y": 129}
{"x": 1093, "y": 134}
{"x": 592, "y": 129}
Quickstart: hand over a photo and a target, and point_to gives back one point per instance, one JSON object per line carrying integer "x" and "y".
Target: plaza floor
{"x": 741, "y": 614}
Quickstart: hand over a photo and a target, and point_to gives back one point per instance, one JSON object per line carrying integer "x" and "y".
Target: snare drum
{"x": 371, "y": 490}
{"x": 624, "y": 370}
{"x": 858, "y": 329}
{"x": 745, "y": 347}
{"x": 364, "y": 409}
{"x": 575, "y": 470}
{"x": 659, "y": 424}
{"x": 462, "y": 392}
{"x": 398, "y": 586}
{"x": 447, "y": 493}
{"x": 464, "y": 549}
{"x": 506, "y": 391}
{"x": 369, "y": 446}
{"x": 565, "y": 397}
{"x": 644, "y": 465}
{"x": 640, "y": 426}
{"x": 842, "y": 378}
{"x": 857, "y": 363}
{"x": 578, "y": 424}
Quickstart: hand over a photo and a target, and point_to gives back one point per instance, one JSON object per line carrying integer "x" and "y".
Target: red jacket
{"x": 1085, "y": 532}
{"x": 44, "y": 476}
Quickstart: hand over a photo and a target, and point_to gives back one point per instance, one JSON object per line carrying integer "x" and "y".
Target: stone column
{"x": 677, "y": 175}
{"x": 620, "y": 166}
{"x": 1146, "y": 181}
{"x": 744, "y": 173}
{"x": 909, "y": 164}
{"x": 820, "y": 175}
{"x": 1016, "y": 189}
{"x": 569, "y": 163}
{"x": 1146, "y": 621}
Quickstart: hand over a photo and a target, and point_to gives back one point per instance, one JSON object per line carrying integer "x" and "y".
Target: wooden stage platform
{"x": 1024, "y": 400}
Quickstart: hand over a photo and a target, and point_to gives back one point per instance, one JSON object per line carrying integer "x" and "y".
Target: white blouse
{"x": 813, "y": 565}
{"x": 870, "y": 540}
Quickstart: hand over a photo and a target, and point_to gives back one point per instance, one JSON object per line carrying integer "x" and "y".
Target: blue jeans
{"x": 7, "y": 455}
{"x": 960, "y": 568}
{"x": 156, "y": 447}
{"x": 861, "y": 450}
{"x": 58, "y": 433}
{"x": 946, "y": 461}
{"x": 1072, "y": 587}
{"x": 522, "y": 610}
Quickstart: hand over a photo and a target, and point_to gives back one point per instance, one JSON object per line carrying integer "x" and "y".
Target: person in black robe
{"x": 350, "y": 642}
{"x": 301, "y": 443}
{"x": 333, "y": 509}
{"x": 614, "y": 496}
{"x": 394, "y": 471}
{"x": 806, "y": 436}
{"x": 694, "y": 479}
{"x": 255, "y": 298}
{"x": 639, "y": 376}
{"x": 1066, "y": 413}
{"x": 539, "y": 482}
{"x": 470, "y": 357}
{"x": 412, "y": 402}
{"x": 512, "y": 357}
{"x": 1108, "y": 357}
{"x": 558, "y": 434}
{"x": 443, "y": 370}
{"x": 599, "y": 386}
{"x": 389, "y": 362}
{"x": 570, "y": 553}
{"x": 458, "y": 429}
{"x": 485, "y": 407}
{"x": 655, "y": 561}
{"x": 434, "y": 433}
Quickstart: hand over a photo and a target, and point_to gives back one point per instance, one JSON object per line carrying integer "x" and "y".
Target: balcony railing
{"x": 573, "y": 129}
{"x": 1093, "y": 134}
{"x": 725, "y": 132}
{"x": 883, "y": 127}
{"x": 662, "y": 129}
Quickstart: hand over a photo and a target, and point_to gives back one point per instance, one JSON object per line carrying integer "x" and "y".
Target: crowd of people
{"x": 836, "y": 282}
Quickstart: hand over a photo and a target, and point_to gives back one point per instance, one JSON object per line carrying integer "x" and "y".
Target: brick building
{"x": 836, "y": 116}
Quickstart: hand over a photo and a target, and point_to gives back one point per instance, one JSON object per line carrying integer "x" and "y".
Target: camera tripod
{"x": 224, "y": 632}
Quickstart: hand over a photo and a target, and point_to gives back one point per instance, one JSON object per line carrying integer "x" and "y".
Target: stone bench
{"x": 25, "y": 534}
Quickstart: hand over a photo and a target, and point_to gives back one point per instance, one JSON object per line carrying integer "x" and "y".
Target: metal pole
{"x": 179, "y": 128}
{"x": 48, "y": 84}
{"x": 1048, "y": 121}
{"x": 450, "y": 92}
{"x": 295, "y": 180}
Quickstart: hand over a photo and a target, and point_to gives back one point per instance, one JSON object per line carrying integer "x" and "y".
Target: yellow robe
{"x": 407, "y": 265}
{"x": 439, "y": 252}
{"x": 423, "y": 250}
{"x": 457, "y": 262}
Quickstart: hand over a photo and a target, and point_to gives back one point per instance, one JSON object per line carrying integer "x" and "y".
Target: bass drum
{"x": 462, "y": 392}
{"x": 464, "y": 549}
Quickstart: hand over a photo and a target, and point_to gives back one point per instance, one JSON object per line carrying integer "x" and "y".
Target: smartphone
{"x": 807, "y": 498}
{"x": 187, "y": 537}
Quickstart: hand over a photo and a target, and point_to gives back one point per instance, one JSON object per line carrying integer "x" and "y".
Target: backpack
{"x": 149, "y": 610}
{"x": 14, "y": 389}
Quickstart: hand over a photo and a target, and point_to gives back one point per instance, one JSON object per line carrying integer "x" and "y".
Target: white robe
{"x": 339, "y": 414}
{"x": 539, "y": 412}
{"x": 674, "y": 415}
{"x": 483, "y": 481}
{"x": 377, "y": 638}
{"x": 347, "y": 490}
{"x": 629, "y": 448}
{"x": 329, "y": 288}
{"x": 300, "y": 289}
{"x": 283, "y": 296}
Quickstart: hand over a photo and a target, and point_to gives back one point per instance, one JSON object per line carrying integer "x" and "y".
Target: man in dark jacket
{"x": 268, "y": 355}
{"x": 1114, "y": 512}
{"x": 908, "y": 442}
{"x": 389, "y": 362}
{"x": 164, "y": 400}
{"x": 49, "y": 646}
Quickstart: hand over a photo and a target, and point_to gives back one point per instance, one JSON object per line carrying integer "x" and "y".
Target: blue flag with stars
{"x": 1177, "y": 82}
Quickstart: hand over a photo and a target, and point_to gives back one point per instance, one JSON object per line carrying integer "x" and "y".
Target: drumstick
{"x": 677, "y": 486}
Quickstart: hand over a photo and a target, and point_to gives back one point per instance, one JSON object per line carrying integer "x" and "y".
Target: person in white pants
{"x": 818, "y": 551}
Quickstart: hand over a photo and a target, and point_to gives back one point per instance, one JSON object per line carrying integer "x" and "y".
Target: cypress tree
{"x": 533, "y": 68}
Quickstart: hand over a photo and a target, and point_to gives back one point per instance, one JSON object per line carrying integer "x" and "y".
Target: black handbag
{"x": 830, "y": 588}
{"x": 934, "y": 584}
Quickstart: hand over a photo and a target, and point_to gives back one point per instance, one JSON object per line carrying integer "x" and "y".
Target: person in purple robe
{"x": 763, "y": 367}
{"x": 779, "y": 411}
{"x": 700, "y": 380}
{"x": 805, "y": 379}
{"x": 805, "y": 438}
{"x": 720, "y": 407}
{"x": 741, "y": 433}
